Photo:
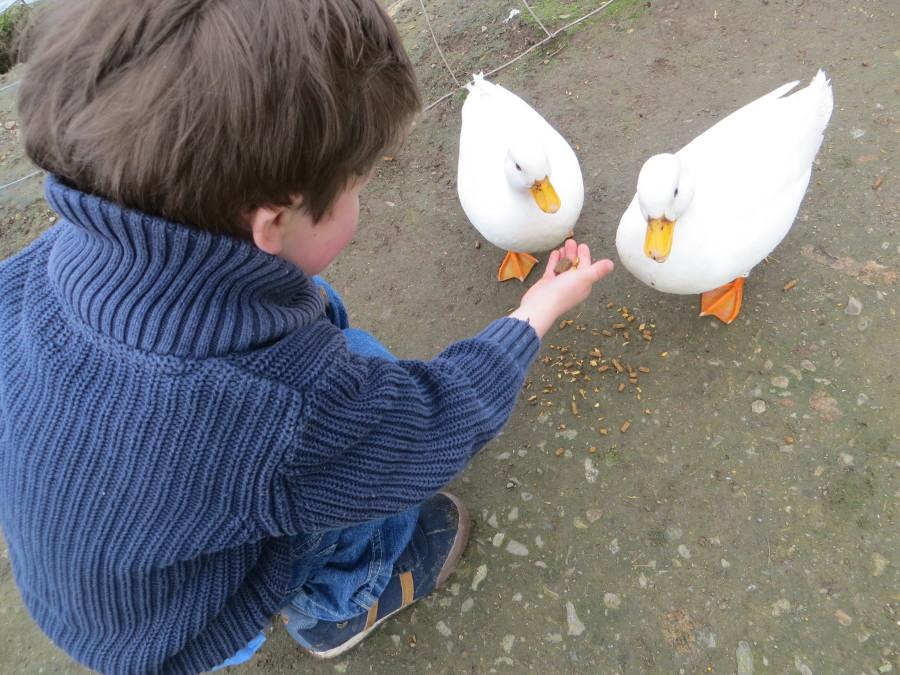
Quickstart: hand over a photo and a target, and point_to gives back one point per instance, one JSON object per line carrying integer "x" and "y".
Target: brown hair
{"x": 197, "y": 110}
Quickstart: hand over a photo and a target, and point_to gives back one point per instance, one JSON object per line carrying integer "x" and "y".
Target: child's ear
{"x": 266, "y": 228}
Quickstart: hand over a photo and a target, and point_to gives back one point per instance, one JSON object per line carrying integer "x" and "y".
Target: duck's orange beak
{"x": 658, "y": 242}
{"x": 545, "y": 196}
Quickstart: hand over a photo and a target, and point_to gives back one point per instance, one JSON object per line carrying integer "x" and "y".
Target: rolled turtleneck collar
{"x": 167, "y": 288}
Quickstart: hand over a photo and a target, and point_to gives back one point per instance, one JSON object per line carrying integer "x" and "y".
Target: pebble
{"x": 539, "y": 541}
{"x": 673, "y": 533}
{"x": 780, "y": 381}
{"x": 454, "y": 589}
{"x": 467, "y": 605}
{"x": 480, "y": 575}
{"x": 492, "y": 521}
{"x": 497, "y": 539}
{"x": 513, "y": 514}
{"x": 854, "y": 307}
{"x": 341, "y": 667}
{"x": 758, "y": 406}
{"x": 508, "y": 642}
{"x": 591, "y": 472}
{"x": 862, "y": 399}
{"x": 842, "y": 617}
{"x": 612, "y": 600}
{"x": 10, "y": 125}
{"x": 846, "y": 459}
{"x": 554, "y": 638}
{"x": 879, "y": 563}
{"x": 516, "y": 548}
{"x": 579, "y": 523}
{"x": 780, "y": 607}
{"x": 801, "y": 666}
{"x": 857, "y": 133}
{"x": 527, "y": 496}
{"x": 725, "y": 564}
{"x": 396, "y": 640}
{"x": 576, "y": 628}
{"x": 593, "y": 515}
{"x": 744, "y": 659}
{"x": 684, "y": 552}
{"x": 706, "y": 637}
{"x": 444, "y": 629}
{"x": 614, "y": 546}
{"x": 808, "y": 365}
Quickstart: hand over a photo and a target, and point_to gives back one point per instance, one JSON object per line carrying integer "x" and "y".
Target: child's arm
{"x": 382, "y": 436}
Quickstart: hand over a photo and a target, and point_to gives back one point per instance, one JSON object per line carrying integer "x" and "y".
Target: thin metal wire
{"x": 539, "y": 22}
{"x": 547, "y": 39}
{"x": 440, "y": 51}
{"x": 19, "y": 180}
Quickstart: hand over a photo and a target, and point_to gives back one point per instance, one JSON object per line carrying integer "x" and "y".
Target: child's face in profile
{"x": 313, "y": 246}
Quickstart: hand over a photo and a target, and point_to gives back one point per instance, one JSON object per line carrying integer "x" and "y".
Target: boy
{"x": 191, "y": 436}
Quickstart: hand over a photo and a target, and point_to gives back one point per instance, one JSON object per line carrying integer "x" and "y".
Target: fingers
{"x": 550, "y": 270}
{"x": 571, "y": 249}
{"x": 601, "y": 268}
{"x": 584, "y": 255}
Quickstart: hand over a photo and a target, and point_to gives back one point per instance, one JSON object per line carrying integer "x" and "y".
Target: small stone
{"x": 612, "y": 600}
{"x": 517, "y": 597}
{"x": 673, "y": 533}
{"x": 591, "y": 472}
{"x": 497, "y": 539}
{"x": 396, "y": 640}
{"x": 854, "y": 307}
{"x": 480, "y": 575}
{"x": 513, "y": 514}
{"x": 527, "y": 496}
{"x": 862, "y": 399}
{"x": 508, "y": 642}
{"x": 614, "y": 546}
{"x": 492, "y": 521}
{"x": 539, "y": 541}
{"x": 780, "y": 381}
{"x": 554, "y": 638}
{"x": 516, "y": 548}
{"x": 444, "y": 629}
{"x": 885, "y": 668}
{"x": 801, "y": 666}
{"x": 576, "y": 628}
{"x": 843, "y": 618}
{"x": 725, "y": 564}
{"x": 467, "y": 605}
{"x": 768, "y": 365}
{"x": 579, "y": 523}
{"x": 781, "y": 606}
{"x": 808, "y": 365}
{"x": 341, "y": 667}
{"x": 857, "y": 133}
{"x": 684, "y": 552}
{"x": 879, "y": 564}
{"x": 642, "y": 580}
{"x": 454, "y": 589}
{"x": 758, "y": 406}
{"x": 846, "y": 459}
{"x": 744, "y": 659}
{"x": 593, "y": 515}
{"x": 705, "y": 637}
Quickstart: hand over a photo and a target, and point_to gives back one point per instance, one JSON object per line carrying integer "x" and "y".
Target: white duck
{"x": 508, "y": 155}
{"x": 705, "y": 216}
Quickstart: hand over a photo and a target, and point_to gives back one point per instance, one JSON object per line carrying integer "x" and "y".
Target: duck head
{"x": 665, "y": 188}
{"x": 527, "y": 168}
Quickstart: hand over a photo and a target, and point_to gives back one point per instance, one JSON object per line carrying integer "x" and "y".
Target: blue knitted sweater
{"x": 175, "y": 405}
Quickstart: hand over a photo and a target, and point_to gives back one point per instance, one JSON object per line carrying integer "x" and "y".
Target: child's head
{"x": 204, "y": 111}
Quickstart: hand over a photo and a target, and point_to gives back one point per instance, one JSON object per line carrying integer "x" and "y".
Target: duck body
{"x": 748, "y": 175}
{"x": 498, "y": 127}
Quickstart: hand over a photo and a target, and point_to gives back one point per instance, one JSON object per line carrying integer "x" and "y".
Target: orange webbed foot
{"x": 516, "y": 266}
{"x": 724, "y": 302}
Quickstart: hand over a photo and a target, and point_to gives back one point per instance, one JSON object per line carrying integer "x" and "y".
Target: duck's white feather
{"x": 506, "y": 217}
{"x": 751, "y": 171}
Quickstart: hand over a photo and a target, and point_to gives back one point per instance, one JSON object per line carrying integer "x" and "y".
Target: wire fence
{"x": 549, "y": 36}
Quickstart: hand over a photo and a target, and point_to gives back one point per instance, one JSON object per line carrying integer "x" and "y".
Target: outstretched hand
{"x": 558, "y": 291}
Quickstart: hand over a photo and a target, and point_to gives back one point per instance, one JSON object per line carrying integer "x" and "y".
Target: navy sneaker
{"x": 440, "y": 539}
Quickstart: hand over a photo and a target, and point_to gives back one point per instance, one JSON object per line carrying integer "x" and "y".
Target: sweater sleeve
{"x": 380, "y": 436}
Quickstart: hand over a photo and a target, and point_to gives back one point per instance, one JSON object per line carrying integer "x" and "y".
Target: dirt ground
{"x": 746, "y": 521}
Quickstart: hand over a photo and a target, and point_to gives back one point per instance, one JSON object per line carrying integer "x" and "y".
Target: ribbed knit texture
{"x": 174, "y": 405}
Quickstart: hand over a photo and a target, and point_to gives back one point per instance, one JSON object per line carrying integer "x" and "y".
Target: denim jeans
{"x": 339, "y": 574}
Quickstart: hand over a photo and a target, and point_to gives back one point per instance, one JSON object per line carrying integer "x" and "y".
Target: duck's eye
{"x": 676, "y": 192}
{"x": 518, "y": 168}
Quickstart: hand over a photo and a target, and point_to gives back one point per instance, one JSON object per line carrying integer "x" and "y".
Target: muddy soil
{"x": 745, "y": 519}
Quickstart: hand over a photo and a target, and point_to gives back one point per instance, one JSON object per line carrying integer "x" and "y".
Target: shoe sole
{"x": 453, "y": 558}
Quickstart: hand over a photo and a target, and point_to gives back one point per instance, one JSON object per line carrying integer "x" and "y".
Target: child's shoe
{"x": 445, "y": 524}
